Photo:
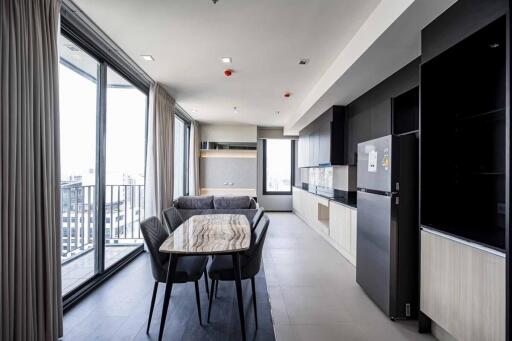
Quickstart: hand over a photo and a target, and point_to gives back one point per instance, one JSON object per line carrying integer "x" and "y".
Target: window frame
{"x": 292, "y": 169}
{"x": 84, "y": 36}
{"x": 180, "y": 115}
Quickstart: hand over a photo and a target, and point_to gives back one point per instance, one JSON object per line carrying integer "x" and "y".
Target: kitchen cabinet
{"x": 322, "y": 142}
{"x": 359, "y": 130}
{"x": 335, "y": 222}
{"x": 343, "y": 229}
{"x": 380, "y": 122}
{"x": 463, "y": 287}
{"x": 370, "y": 116}
{"x": 313, "y": 209}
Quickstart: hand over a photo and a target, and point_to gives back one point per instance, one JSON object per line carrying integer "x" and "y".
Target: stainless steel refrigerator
{"x": 388, "y": 223}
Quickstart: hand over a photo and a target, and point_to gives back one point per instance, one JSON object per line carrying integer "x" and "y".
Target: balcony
{"x": 124, "y": 209}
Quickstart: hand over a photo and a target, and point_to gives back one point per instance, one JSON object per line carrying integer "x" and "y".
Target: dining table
{"x": 209, "y": 234}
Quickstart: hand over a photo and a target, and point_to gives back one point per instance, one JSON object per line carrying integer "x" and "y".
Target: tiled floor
{"x": 313, "y": 292}
{"x": 82, "y": 268}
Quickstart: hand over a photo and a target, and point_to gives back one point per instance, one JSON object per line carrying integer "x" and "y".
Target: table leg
{"x": 173, "y": 261}
{"x": 238, "y": 282}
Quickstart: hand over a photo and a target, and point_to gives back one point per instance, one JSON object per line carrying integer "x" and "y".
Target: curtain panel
{"x": 195, "y": 151}
{"x": 160, "y": 152}
{"x": 30, "y": 282}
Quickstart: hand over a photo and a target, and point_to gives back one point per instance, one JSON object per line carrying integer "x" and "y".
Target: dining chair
{"x": 221, "y": 268}
{"x": 189, "y": 268}
{"x": 257, "y": 217}
{"x": 172, "y": 218}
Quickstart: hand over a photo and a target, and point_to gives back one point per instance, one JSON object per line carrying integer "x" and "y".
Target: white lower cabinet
{"x": 343, "y": 228}
{"x": 313, "y": 209}
{"x": 335, "y": 222}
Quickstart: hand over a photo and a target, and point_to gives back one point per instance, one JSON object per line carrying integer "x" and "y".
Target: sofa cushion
{"x": 241, "y": 202}
{"x": 186, "y": 214}
{"x": 191, "y": 202}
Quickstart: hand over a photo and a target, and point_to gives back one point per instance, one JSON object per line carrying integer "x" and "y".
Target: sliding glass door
{"x": 103, "y": 140}
{"x": 78, "y": 78}
{"x": 124, "y": 174}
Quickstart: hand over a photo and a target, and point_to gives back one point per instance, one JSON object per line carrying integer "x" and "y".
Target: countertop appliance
{"x": 388, "y": 223}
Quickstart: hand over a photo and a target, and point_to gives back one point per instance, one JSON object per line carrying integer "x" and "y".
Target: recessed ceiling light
{"x": 303, "y": 61}
{"x": 148, "y": 57}
{"x": 235, "y": 110}
{"x": 226, "y": 60}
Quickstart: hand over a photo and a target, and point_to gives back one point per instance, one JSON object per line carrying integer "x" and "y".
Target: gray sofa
{"x": 189, "y": 206}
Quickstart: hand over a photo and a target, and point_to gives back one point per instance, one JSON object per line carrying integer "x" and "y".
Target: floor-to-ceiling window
{"x": 181, "y": 154}
{"x": 78, "y": 80}
{"x": 277, "y": 166}
{"x": 124, "y": 172}
{"x": 103, "y": 112}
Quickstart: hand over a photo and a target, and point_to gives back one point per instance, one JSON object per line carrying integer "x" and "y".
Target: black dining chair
{"x": 189, "y": 268}
{"x": 256, "y": 218}
{"x": 221, "y": 268}
{"x": 173, "y": 220}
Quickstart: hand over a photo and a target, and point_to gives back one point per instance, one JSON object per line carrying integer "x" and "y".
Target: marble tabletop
{"x": 209, "y": 234}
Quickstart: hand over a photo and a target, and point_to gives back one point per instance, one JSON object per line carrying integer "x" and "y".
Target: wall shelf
{"x": 229, "y": 153}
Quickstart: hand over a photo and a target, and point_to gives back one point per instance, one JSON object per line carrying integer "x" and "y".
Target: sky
{"x": 126, "y": 112}
{"x": 279, "y": 163}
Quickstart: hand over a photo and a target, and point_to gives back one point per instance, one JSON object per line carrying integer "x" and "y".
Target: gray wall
{"x": 215, "y": 171}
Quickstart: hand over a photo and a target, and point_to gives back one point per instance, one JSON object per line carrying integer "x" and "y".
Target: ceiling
{"x": 264, "y": 38}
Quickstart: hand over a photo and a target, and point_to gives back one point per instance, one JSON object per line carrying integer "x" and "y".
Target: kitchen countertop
{"x": 352, "y": 203}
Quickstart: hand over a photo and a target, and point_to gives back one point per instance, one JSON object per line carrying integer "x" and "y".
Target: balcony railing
{"x": 124, "y": 209}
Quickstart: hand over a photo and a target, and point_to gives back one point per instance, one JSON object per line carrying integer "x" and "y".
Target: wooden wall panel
{"x": 462, "y": 288}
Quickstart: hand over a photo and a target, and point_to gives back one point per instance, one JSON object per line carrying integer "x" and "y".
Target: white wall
{"x": 228, "y": 133}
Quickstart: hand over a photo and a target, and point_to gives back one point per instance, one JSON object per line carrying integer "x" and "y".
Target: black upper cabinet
{"x": 359, "y": 130}
{"x": 406, "y": 108}
{"x": 371, "y": 115}
{"x": 322, "y": 142}
{"x": 463, "y": 137}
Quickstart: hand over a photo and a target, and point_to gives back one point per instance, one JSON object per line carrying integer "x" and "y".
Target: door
{"x": 373, "y": 246}
{"x": 374, "y": 164}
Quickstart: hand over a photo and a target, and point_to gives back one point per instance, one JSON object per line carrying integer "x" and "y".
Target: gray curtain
{"x": 195, "y": 150}
{"x": 30, "y": 283}
{"x": 160, "y": 152}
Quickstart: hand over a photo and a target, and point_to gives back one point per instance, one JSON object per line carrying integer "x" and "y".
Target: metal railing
{"x": 124, "y": 209}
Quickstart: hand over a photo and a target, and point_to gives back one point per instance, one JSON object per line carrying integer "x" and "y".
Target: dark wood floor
{"x": 118, "y": 310}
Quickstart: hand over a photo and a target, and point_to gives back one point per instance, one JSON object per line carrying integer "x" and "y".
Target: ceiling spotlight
{"x": 226, "y": 60}
{"x": 303, "y": 61}
{"x": 148, "y": 57}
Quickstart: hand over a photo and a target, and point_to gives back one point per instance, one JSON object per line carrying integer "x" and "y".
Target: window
{"x": 181, "y": 143}
{"x": 277, "y": 166}
{"x": 78, "y": 80}
{"x": 103, "y": 112}
{"x": 124, "y": 169}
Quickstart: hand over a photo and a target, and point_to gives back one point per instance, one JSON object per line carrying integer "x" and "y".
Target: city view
{"x": 123, "y": 166}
